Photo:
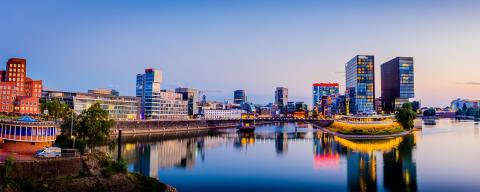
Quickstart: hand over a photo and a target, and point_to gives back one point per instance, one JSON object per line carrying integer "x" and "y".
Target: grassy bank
{"x": 365, "y": 129}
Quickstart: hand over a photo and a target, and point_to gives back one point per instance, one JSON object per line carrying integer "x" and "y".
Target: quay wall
{"x": 45, "y": 169}
{"x": 162, "y": 126}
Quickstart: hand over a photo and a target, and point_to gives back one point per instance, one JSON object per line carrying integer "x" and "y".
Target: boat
{"x": 429, "y": 122}
{"x": 247, "y": 123}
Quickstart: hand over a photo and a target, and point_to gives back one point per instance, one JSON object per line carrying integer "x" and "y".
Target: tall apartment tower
{"x": 281, "y": 98}
{"x": 239, "y": 97}
{"x": 397, "y": 83}
{"x": 360, "y": 84}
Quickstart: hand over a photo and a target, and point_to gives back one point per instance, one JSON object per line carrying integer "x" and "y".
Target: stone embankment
{"x": 92, "y": 172}
{"x": 162, "y": 126}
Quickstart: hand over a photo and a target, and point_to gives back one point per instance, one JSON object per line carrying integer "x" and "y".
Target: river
{"x": 296, "y": 157}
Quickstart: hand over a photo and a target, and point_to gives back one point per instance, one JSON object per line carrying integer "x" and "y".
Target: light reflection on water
{"x": 287, "y": 157}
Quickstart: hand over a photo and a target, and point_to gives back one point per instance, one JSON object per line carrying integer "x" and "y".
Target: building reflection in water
{"x": 365, "y": 159}
{"x": 399, "y": 167}
{"x": 281, "y": 143}
{"x": 326, "y": 151}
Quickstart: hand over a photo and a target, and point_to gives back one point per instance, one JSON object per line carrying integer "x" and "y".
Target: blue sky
{"x": 242, "y": 44}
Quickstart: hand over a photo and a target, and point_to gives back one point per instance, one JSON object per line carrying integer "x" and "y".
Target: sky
{"x": 222, "y": 45}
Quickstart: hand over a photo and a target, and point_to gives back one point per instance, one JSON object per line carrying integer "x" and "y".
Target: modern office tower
{"x": 18, "y": 93}
{"x": 239, "y": 97}
{"x": 340, "y": 105}
{"x": 191, "y": 96}
{"x": 157, "y": 103}
{"x": 397, "y": 83}
{"x": 281, "y": 98}
{"x": 360, "y": 84}
{"x": 323, "y": 89}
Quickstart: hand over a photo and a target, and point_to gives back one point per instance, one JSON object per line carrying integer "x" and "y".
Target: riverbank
{"x": 93, "y": 172}
{"x": 383, "y": 128}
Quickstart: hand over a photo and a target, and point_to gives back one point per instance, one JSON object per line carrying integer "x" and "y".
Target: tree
{"x": 405, "y": 116}
{"x": 430, "y": 112}
{"x": 56, "y": 109}
{"x": 415, "y": 105}
{"x": 92, "y": 126}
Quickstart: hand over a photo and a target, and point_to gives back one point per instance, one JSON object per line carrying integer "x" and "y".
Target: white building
{"x": 216, "y": 114}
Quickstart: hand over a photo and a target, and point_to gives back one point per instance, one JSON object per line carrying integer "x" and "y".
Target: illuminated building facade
{"x": 360, "y": 84}
{"x": 19, "y": 94}
{"x": 323, "y": 89}
{"x": 27, "y": 135}
{"x": 397, "y": 83}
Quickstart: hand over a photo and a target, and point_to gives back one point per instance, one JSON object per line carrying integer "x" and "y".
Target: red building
{"x": 18, "y": 93}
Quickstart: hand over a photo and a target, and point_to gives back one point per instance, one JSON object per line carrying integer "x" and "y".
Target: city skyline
{"x": 283, "y": 44}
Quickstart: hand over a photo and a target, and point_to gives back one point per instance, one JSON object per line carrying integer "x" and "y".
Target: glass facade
{"x": 397, "y": 82}
{"x": 29, "y": 132}
{"x": 156, "y": 103}
{"x": 323, "y": 89}
{"x": 239, "y": 97}
{"x": 118, "y": 107}
{"x": 281, "y": 98}
{"x": 360, "y": 83}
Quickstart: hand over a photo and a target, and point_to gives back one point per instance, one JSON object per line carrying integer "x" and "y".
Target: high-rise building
{"x": 281, "y": 98}
{"x": 323, "y": 89}
{"x": 360, "y": 84}
{"x": 239, "y": 97}
{"x": 191, "y": 96}
{"x": 18, "y": 93}
{"x": 397, "y": 83}
{"x": 157, "y": 103}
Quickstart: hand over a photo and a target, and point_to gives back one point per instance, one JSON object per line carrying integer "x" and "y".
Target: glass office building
{"x": 157, "y": 103}
{"x": 397, "y": 83}
{"x": 360, "y": 84}
{"x": 239, "y": 97}
{"x": 281, "y": 98}
{"x": 323, "y": 89}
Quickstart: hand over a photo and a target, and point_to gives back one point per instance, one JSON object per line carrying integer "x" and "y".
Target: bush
{"x": 112, "y": 167}
{"x": 65, "y": 142}
{"x": 6, "y": 171}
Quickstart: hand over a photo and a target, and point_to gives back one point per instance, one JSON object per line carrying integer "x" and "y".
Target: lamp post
{"x": 71, "y": 131}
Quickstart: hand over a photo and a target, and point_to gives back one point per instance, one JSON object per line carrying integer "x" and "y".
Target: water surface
{"x": 296, "y": 157}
